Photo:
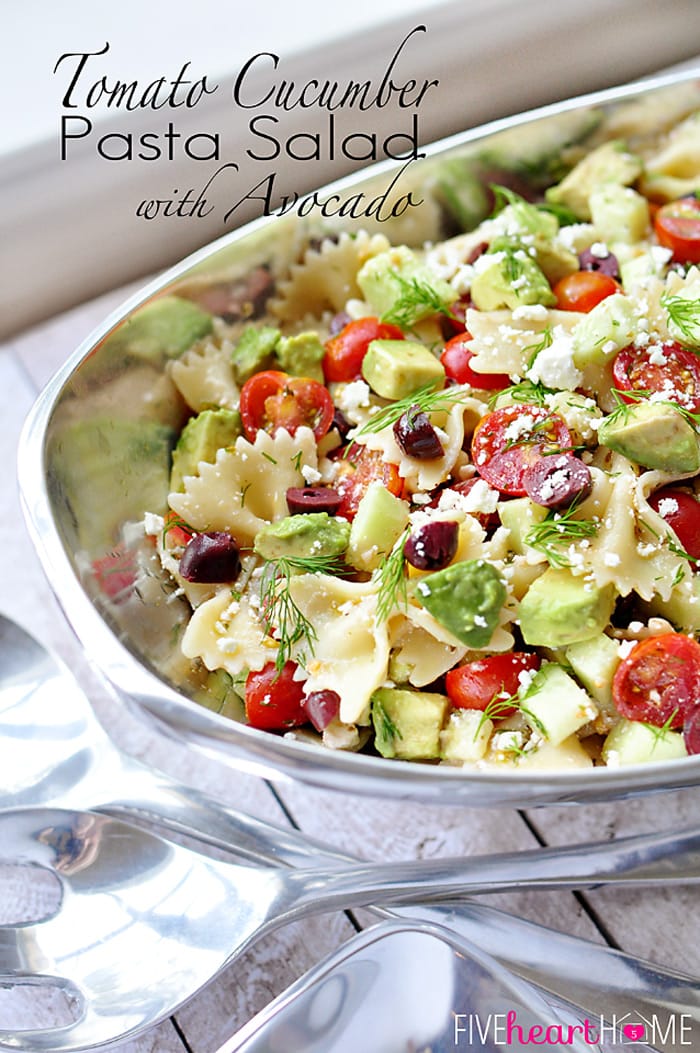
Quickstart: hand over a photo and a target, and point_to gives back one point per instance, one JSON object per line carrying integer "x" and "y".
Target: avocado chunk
{"x": 395, "y": 369}
{"x": 162, "y": 329}
{"x": 254, "y": 351}
{"x": 407, "y": 724}
{"x": 631, "y": 742}
{"x": 466, "y": 735}
{"x": 654, "y": 435}
{"x": 301, "y": 355}
{"x": 379, "y": 522}
{"x": 609, "y": 163}
{"x": 109, "y": 470}
{"x": 555, "y": 706}
{"x": 200, "y": 440}
{"x": 466, "y": 598}
{"x": 396, "y": 281}
{"x": 559, "y": 609}
{"x": 307, "y": 536}
{"x": 512, "y": 278}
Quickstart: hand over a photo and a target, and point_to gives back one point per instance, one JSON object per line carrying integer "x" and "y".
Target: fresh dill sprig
{"x": 391, "y": 578}
{"x": 427, "y": 399}
{"x": 526, "y": 214}
{"x": 416, "y": 300}
{"x": 557, "y": 531}
{"x": 498, "y": 706}
{"x": 525, "y": 391}
{"x": 685, "y": 315}
{"x": 281, "y": 616}
{"x": 535, "y": 349}
{"x": 386, "y": 727}
{"x": 659, "y": 731}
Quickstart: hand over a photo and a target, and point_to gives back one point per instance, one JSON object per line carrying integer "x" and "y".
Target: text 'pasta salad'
{"x": 442, "y": 504}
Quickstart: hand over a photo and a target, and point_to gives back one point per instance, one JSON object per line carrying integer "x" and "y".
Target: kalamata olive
{"x": 210, "y": 559}
{"x": 321, "y": 707}
{"x": 302, "y": 499}
{"x": 338, "y": 322}
{"x": 341, "y": 423}
{"x": 599, "y": 260}
{"x": 416, "y": 436}
{"x": 557, "y": 479}
{"x": 433, "y": 545}
{"x": 691, "y": 731}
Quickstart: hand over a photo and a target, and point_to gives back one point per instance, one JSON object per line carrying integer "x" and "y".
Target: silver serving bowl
{"x": 93, "y": 448}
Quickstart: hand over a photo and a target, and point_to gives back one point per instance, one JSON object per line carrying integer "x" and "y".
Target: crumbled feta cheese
{"x": 353, "y": 396}
{"x": 311, "y": 475}
{"x": 554, "y": 365}
{"x": 611, "y": 559}
{"x": 599, "y": 249}
{"x": 626, "y": 646}
{"x": 667, "y": 506}
{"x": 656, "y": 355}
{"x": 533, "y": 312}
{"x": 153, "y": 524}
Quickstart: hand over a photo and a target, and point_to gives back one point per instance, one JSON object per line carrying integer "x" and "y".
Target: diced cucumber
{"x": 619, "y": 213}
{"x": 465, "y": 737}
{"x": 555, "y": 706}
{"x": 610, "y": 326}
{"x": 631, "y": 742}
{"x": 518, "y": 515}
{"x": 594, "y": 662}
{"x": 379, "y": 522}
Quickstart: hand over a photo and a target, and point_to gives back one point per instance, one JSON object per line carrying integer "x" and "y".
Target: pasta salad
{"x": 441, "y": 504}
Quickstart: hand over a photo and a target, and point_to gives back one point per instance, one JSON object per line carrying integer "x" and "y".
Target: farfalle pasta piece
{"x": 351, "y": 646}
{"x": 326, "y": 278}
{"x": 225, "y": 634}
{"x": 423, "y": 476}
{"x": 245, "y": 488}
{"x": 204, "y": 377}
{"x": 507, "y": 341}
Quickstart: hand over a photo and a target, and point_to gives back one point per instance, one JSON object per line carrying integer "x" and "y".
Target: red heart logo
{"x": 635, "y": 1032}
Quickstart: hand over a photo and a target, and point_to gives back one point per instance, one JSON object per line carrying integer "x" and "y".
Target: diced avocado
{"x": 631, "y": 742}
{"x": 301, "y": 355}
{"x": 513, "y": 279}
{"x": 555, "y": 706}
{"x": 161, "y": 329}
{"x": 519, "y": 515}
{"x": 619, "y": 213}
{"x": 594, "y": 662}
{"x": 407, "y": 724}
{"x": 465, "y": 737}
{"x": 559, "y": 609}
{"x": 466, "y": 598}
{"x": 108, "y": 470}
{"x": 303, "y": 536}
{"x": 200, "y": 439}
{"x": 395, "y": 369}
{"x": 611, "y": 325}
{"x": 682, "y": 608}
{"x": 391, "y": 276}
{"x": 554, "y": 259}
{"x": 654, "y": 435}
{"x": 609, "y": 163}
{"x": 254, "y": 351}
{"x": 380, "y": 520}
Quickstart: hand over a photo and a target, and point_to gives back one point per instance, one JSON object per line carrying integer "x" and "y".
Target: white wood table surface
{"x": 660, "y": 924}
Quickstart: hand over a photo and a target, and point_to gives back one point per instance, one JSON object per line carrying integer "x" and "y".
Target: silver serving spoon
{"x": 59, "y": 754}
{"x": 418, "y": 987}
{"x": 142, "y": 923}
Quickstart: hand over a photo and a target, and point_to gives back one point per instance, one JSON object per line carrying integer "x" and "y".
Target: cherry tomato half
{"x": 682, "y": 513}
{"x": 116, "y": 572}
{"x": 271, "y": 400}
{"x": 659, "y": 680}
{"x": 176, "y": 532}
{"x": 273, "y": 699}
{"x": 345, "y": 350}
{"x": 677, "y": 227}
{"x": 507, "y": 441}
{"x": 583, "y": 290}
{"x": 357, "y": 468}
{"x": 477, "y": 684}
{"x": 667, "y": 368}
{"x": 456, "y": 359}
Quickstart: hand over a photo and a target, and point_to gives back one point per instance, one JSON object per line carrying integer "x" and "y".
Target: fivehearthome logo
{"x": 674, "y": 1030}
